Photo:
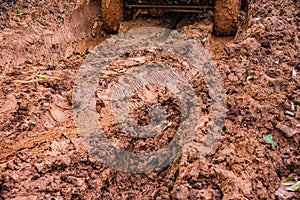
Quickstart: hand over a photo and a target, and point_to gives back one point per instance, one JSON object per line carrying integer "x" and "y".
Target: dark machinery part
{"x": 225, "y": 11}
{"x": 158, "y": 7}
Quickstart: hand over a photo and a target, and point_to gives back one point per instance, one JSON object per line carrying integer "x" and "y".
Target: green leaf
{"x": 288, "y": 179}
{"x": 42, "y": 77}
{"x": 20, "y": 12}
{"x": 274, "y": 144}
{"x": 250, "y": 77}
{"x": 269, "y": 139}
{"x": 158, "y": 126}
{"x": 294, "y": 187}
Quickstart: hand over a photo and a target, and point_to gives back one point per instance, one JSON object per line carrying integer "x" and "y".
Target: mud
{"x": 42, "y": 156}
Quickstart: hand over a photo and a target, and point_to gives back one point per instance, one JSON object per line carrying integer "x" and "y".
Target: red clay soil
{"x": 42, "y": 156}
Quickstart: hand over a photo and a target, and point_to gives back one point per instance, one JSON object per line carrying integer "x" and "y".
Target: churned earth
{"x": 44, "y": 43}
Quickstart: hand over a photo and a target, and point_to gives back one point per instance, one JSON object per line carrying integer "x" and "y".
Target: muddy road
{"x": 44, "y": 43}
